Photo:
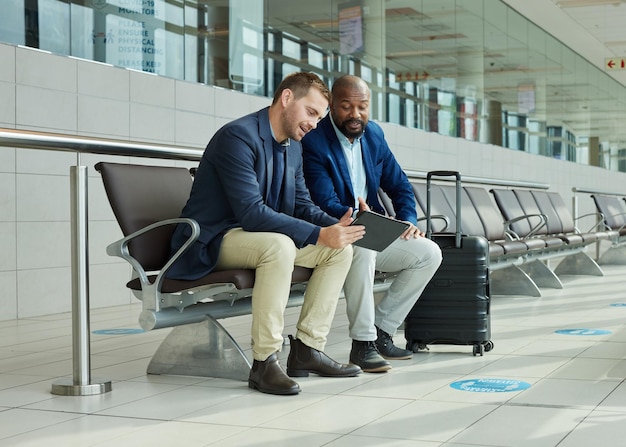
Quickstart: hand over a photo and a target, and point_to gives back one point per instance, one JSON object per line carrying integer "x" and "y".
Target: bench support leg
{"x": 542, "y": 275}
{"x": 202, "y": 349}
{"x": 512, "y": 281}
{"x": 578, "y": 264}
{"x": 615, "y": 255}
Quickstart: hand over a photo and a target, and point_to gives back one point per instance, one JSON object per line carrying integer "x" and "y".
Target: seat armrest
{"x": 543, "y": 219}
{"x": 599, "y": 225}
{"x": 446, "y": 221}
{"x": 120, "y": 249}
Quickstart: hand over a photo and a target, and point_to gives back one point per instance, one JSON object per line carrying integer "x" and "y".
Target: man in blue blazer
{"x": 254, "y": 211}
{"x": 346, "y": 161}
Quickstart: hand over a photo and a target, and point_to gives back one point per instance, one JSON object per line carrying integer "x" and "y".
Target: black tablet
{"x": 380, "y": 231}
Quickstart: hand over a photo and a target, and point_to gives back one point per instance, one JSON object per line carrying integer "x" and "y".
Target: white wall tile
{"x": 230, "y": 104}
{"x": 102, "y": 80}
{"x": 195, "y": 98}
{"x": 258, "y": 103}
{"x": 42, "y": 198}
{"x": 7, "y": 67}
{"x": 7, "y": 197}
{"x": 42, "y": 245}
{"x": 8, "y": 297}
{"x": 146, "y": 88}
{"x": 7, "y": 99}
{"x": 7, "y": 159}
{"x": 193, "y": 129}
{"x": 104, "y": 117}
{"x": 150, "y": 123}
{"x": 35, "y": 161}
{"x": 38, "y": 108}
{"x": 59, "y": 73}
{"x": 8, "y": 253}
{"x": 221, "y": 121}
{"x": 44, "y": 291}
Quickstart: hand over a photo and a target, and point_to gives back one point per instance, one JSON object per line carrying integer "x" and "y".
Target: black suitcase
{"x": 454, "y": 307}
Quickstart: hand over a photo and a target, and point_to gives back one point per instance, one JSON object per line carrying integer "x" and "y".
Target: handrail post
{"x": 81, "y": 384}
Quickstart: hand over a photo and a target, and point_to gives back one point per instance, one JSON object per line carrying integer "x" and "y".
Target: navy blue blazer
{"x": 328, "y": 177}
{"x": 230, "y": 188}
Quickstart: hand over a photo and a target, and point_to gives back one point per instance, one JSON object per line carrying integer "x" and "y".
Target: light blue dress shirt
{"x": 354, "y": 160}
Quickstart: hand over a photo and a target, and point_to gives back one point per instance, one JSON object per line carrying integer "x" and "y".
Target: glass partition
{"x": 472, "y": 69}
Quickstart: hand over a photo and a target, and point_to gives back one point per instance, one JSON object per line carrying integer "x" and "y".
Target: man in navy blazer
{"x": 254, "y": 211}
{"x": 346, "y": 161}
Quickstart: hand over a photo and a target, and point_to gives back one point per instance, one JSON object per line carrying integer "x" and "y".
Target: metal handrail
{"x": 483, "y": 180}
{"x": 69, "y": 143}
{"x": 575, "y": 190}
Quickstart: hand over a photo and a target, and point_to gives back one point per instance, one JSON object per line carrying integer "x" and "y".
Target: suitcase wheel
{"x": 481, "y": 348}
{"x": 416, "y": 346}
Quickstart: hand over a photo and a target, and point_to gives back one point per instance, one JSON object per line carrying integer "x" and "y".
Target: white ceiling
{"x": 595, "y": 29}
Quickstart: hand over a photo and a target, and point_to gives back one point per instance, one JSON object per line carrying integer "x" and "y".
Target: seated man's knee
{"x": 426, "y": 252}
{"x": 339, "y": 255}
{"x": 433, "y": 252}
{"x": 278, "y": 246}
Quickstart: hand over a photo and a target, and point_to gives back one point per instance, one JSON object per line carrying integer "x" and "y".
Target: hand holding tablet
{"x": 380, "y": 231}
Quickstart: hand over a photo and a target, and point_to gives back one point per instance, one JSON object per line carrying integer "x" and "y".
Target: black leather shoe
{"x": 268, "y": 377}
{"x": 303, "y": 360}
{"x": 365, "y": 354}
{"x": 388, "y": 350}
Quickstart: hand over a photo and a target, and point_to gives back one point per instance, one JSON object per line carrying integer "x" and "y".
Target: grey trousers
{"x": 417, "y": 261}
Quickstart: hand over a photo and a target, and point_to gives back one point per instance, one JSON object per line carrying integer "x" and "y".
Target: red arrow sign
{"x": 614, "y": 64}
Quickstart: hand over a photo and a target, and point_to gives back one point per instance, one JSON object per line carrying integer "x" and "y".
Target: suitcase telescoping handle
{"x": 457, "y": 176}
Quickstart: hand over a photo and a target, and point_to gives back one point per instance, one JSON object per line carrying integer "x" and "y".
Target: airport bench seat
{"x": 147, "y": 201}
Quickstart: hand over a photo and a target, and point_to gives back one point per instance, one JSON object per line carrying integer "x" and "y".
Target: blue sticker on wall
{"x": 490, "y": 385}
{"x": 119, "y": 331}
{"x": 618, "y": 305}
{"x": 582, "y": 332}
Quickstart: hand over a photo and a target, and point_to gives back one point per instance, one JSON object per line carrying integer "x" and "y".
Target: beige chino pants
{"x": 273, "y": 256}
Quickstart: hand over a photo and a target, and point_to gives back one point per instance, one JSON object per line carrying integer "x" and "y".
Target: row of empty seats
{"x": 525, "y": 230}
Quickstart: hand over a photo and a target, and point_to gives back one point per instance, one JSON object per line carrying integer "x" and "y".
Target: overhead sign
{"x": 613, "y": 63}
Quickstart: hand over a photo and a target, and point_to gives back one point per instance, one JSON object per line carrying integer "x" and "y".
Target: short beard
{"x": 344, "y": 129}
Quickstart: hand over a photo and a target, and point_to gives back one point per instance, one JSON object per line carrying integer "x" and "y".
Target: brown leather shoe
{"x": 303, "y": 360}
{"x": 268, "y": 377}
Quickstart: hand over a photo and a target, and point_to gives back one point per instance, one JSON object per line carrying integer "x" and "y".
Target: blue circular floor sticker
{"x": 618, "y": 305}
{"x": 583, "y": 332}
{"x": 490, "y": 385}
{"x": 119, "y": 331}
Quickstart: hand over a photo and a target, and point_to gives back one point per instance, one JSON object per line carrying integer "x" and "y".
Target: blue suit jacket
{"x": 328, "y": 177}
{"x": 230, "y": 188}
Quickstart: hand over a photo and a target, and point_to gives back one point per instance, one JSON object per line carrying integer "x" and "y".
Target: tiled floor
{"x": 576, "y": 398}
